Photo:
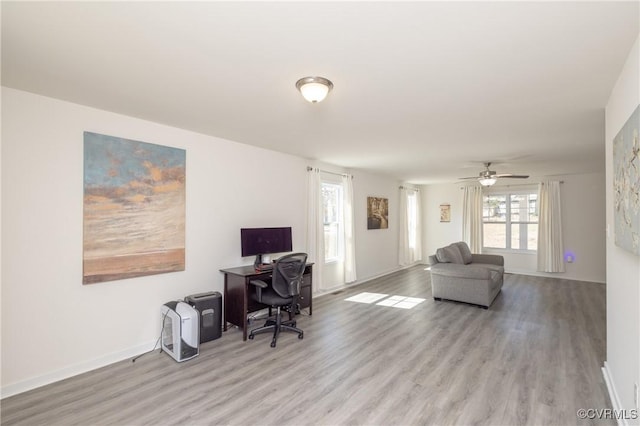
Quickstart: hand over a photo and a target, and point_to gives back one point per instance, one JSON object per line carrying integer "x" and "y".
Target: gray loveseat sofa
{"x": 457, "y": 274}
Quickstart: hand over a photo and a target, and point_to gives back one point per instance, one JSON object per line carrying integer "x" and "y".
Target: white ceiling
{"x": 424, "y": 91}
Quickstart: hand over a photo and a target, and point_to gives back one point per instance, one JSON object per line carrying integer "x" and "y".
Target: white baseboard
{"x": 613, "y": 394}
{"x": 364, "y": 280}
{"x": 550, "y": 275}
{"x": 73, "y": 370}
{"x": 382, "y": 274}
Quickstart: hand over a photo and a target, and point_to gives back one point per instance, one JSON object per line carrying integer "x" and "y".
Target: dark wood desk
{"x": 237, "y": 294}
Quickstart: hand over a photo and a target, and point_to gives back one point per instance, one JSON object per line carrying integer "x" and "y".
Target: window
{"x": 332, "y": 217}
{"x": 510, "y": 221}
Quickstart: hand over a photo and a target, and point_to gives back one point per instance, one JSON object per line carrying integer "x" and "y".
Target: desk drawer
{"x": 305, "y": 297}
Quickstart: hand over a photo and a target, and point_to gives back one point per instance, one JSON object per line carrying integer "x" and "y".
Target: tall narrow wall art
{"x": 626, "y": 185}
{"x": 134, "y": 209}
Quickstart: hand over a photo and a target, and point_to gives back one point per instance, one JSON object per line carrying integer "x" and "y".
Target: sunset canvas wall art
{"x": 134, "y": 208}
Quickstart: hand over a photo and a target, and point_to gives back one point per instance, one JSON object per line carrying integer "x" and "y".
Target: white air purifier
{"x": 180, "y": 330}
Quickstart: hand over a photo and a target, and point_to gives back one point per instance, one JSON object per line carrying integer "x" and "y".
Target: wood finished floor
{"x": 534, "y": 357}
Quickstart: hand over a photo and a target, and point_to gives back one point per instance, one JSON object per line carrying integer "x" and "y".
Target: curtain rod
{"x": 515, "y": 184}
{"x": 412, "y": 189}
{"x": 309, "y": 168}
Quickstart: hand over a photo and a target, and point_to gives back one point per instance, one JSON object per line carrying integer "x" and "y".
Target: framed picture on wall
{"x": 377, "y": 213}
{"x": 445, "y": 213}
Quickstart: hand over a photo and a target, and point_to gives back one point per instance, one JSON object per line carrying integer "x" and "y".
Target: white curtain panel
{"x": 472, "y": 217}
{"x": 349, "y": 239}
{"x": 407, "y": 254}
{"x": 315, "y": 226}
{"x": 550, "y": 249}
{"x": 404, "y": 251}
{"x": 417, "y": 250}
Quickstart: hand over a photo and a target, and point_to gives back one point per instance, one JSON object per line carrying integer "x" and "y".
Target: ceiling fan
{"x": 489, "y": 177}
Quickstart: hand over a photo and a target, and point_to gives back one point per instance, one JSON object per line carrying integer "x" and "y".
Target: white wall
{"x": 377, "y": 248}
{"x": 438, "y": 234}
{"x": 623, "y": 268}
{"x": 52, "y": 325}
{"x": 582, "y": 217}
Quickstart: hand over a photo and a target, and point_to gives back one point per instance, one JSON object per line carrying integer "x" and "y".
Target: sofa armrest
{"x": 493, "y": 259}
{"x": 461, "y": 271}
{"x": 433, "y": 260}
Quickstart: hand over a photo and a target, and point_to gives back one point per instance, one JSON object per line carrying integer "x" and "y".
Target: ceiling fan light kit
{"x": 487, "y": 181}
{"x": 314, "y": 89}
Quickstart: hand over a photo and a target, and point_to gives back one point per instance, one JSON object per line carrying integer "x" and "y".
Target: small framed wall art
{"x": 377, "y": 213}
{"x": 445, "y": 213}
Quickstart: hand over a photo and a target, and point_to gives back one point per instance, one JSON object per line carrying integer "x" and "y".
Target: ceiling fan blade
{"x": 511, "y": 176}
{"x": 490, "y": 174}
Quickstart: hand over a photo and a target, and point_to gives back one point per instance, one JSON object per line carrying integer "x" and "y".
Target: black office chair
{"x": 283, "y": 292}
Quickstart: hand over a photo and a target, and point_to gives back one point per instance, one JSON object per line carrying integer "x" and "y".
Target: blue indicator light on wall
{"x": 569, "y": 257}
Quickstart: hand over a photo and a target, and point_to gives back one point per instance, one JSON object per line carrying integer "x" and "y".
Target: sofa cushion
{"x": 441, "y": 256}
{"x": 451, "y": 254}
{"x": 467, "y": 258}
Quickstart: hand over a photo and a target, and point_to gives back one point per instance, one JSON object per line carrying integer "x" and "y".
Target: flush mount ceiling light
{"x": 314, "y": 89}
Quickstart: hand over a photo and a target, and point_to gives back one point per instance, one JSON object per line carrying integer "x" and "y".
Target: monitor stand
{"x": 259, "y": 266}
{"x": 258, "y": 262}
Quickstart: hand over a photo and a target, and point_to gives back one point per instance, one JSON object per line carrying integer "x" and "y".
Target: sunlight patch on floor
{"x": 366, "y": 297}
{"x": 396, "y": 301}
{"x": 402, "y": 302}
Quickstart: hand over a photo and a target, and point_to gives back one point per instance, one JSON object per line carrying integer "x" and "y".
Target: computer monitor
{"x": 260, "y": 241}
